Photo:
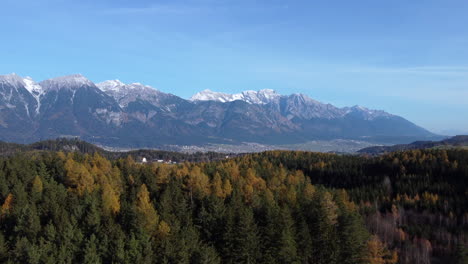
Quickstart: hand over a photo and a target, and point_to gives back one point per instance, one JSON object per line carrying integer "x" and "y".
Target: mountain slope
{"x": 136, "y": 115}
{"x": 456, "y": 141}
{"x": 73, "y": 105}
{"x": 19, "y": 106}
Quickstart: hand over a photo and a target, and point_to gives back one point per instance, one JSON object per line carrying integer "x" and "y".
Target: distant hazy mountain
{"x": 452, "y": 132}
{"x": 135, "y": 115}
{"x": 456, "y": 141}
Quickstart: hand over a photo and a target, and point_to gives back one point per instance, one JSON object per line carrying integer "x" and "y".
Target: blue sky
{"x": 406, "y": 57}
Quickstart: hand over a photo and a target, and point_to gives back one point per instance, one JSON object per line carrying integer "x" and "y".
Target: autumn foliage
{"x": 272, "y": 207}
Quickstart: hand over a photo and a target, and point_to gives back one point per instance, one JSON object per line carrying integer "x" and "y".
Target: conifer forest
{"x": 273, "y": 207}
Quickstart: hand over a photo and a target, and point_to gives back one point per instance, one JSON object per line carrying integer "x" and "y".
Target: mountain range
{"x": 113, "y": 113}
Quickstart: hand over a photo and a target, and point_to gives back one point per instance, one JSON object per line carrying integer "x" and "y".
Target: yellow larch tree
{"x": 147, "y": 213}
{"x": 7, "y": 204}
{"x": 377, "y": 253}
{"x": 78, "y": 177}
{"x": 217, "y": 186}
{"x": 110, "y": 200}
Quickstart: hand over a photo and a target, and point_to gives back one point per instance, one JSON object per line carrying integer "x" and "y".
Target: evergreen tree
{"x": 324, "y": 221}
{"x": 461, "y": 256}
{"x": 287, "y": 246}
{"x": 90, "y": 254}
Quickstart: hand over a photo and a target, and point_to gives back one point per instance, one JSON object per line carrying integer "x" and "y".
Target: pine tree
{"x": 28, "y": 223}
{"x": 270, "y": 231}
{"x": 25, "y": 252}
{"x": 352, "y": 235}
{"x": 287, "y": 244}
{"x": 205, "y": 255}
{"x": 461, "y": 256}
{"x": 3, "y": 248}
{"x": 324, "y": 220}
{"x": 242, "y": 237}
{"x": 352, "y": 238}
{"x": 90, "y": 254}
{"x": 304, "y": 241}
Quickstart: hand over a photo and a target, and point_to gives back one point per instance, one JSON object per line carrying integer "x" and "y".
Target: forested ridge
{"x": 75, "y": 144}
{"x": 272, "y": 207}
{"x": 453, "y": 142}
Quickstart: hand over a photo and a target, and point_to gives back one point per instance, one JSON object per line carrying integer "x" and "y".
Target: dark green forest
{"x": 75, "y": 144}
{"x": 272, "y": 207}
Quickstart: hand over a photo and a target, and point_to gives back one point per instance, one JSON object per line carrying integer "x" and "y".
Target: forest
{"x": 271, "y": 207}
{"x": 75, "y": 144}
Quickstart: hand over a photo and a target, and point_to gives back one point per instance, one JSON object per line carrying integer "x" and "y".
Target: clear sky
{"x": 406, "y": 57}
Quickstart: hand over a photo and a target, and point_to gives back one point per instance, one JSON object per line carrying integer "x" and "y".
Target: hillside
{"x": 453, "y": 142}
{"x": 76, "y": 145}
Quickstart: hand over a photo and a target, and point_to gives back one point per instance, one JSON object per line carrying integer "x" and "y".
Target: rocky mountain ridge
{"x": 136, "y": 115}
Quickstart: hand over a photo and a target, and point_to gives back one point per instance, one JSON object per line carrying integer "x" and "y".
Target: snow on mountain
{"x": 9, "y": 90}
{"x": 295, "y": 105}
{"x": 12, "y": 79}
{"x": 73, "y": 105}
{"x": 264, "y": 96}
{"x": 18, "y": 82}
{"x": 111, "y": 85}
{"x": 127, "y": 93}
{"x": 32, "y": 86}
{"x": 35, "y": 90}
{"x": 208, "y": 95}
{"x": 365, "y": 113}
{"x": 66, "y": 82}
{"x": 252, "y": 97}
{"x": 118, "y": 86}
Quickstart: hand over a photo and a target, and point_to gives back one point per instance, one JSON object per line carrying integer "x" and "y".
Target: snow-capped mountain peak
{"x": 32, "y": 86}
{"x": 141, "y": 86}
{"x": 118, "y": 86}
{"x": 66, "y": 82}
{"x": 73, "y": 105}
{"x": 252, "y": 97}
{"x": 264, "y": 96}
{"x": 18, "y": 81}
{"x": 365, "y": 113}
{"x": 12, "y": 79}
{"x": 360, "y": 108}
{"x": 127, "y": 93}
{"x": 208, "y": 95}
{"x": 110, "y": 85}
{"x": 268, "y": 93}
